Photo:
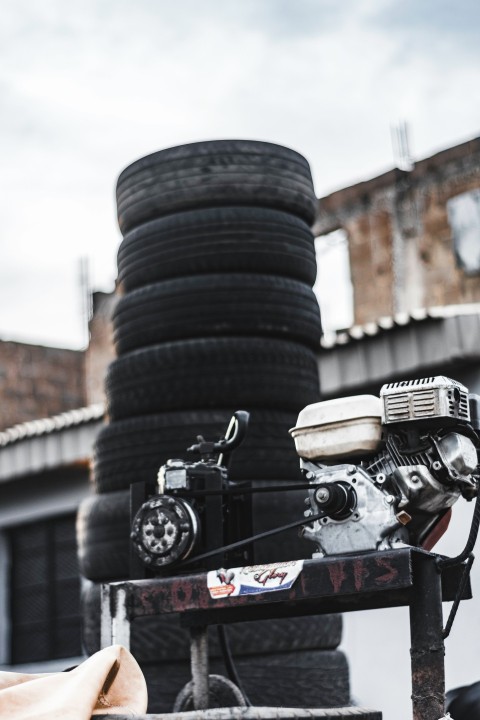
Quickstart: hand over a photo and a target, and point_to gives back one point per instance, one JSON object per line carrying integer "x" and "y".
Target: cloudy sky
{"x": 88, "y": 86}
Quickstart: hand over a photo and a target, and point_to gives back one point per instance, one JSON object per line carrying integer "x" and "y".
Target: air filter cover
{"x": 430, "y": 399}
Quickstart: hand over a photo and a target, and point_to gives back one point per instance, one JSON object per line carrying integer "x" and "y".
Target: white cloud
{"x": 88, "y": 89}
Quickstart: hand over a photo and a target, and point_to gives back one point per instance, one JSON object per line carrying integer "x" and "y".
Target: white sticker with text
{"x": 253, "y": 579}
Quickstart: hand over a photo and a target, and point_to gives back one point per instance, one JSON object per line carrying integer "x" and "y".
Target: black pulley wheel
{"x": 215, "y": 173}
{"x": 217, "y": 305}
{"x": 217, "y": 240}
{"x": 164, "y": 531}
{"x": 213, "y": 372}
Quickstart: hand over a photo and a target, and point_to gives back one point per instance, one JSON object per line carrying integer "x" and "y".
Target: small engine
{"x": 195, "y": 508}
{"x": 381, "y": 472}
{"x": 385, "y": 472}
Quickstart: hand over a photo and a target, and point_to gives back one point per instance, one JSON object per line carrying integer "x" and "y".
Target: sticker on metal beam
{"x": 253, "y": 579}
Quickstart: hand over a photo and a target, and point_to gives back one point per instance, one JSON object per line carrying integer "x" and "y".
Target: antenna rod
{"x": 86, "y": 299}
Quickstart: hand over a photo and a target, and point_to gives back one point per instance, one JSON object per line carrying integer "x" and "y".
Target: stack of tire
{"x": 217, "y": 314}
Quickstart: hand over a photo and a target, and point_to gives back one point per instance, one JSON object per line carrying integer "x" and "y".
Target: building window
{"x": 464, "y": 218}
{"x": 333, "y": 286}
{"x": 44, "y": 591}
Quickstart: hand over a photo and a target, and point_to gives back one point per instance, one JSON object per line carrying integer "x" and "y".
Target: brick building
{"x": 37, "y": 382}
{"x": 413, "y": 236}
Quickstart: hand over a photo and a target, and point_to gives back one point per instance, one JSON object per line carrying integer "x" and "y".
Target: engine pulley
{"x": 337, "y": 500}
{"x": 164, "y": 531}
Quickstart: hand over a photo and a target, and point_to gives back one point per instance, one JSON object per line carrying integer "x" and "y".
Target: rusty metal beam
{"x": 351, "y": 582}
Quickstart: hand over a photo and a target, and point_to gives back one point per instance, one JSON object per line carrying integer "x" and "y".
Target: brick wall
{"x": 400, "y": 241}
{"x": 37, "y": 381}
{"x": 371, "y": 261}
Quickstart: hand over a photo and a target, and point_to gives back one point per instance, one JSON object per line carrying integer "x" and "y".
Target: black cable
{"x": 458, "y": 596}
{"x": 229, "y": 662}
{"x": 253, "y": 538}
{"x": 465, "y": 555}
{"x": 472, "y": 539}
{"x": 243, "y": 490}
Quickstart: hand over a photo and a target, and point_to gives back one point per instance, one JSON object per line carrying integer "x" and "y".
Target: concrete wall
{"x": 37, "y": 382}
{"x": 100, "y": 351}
{"x": 402, "y": 249}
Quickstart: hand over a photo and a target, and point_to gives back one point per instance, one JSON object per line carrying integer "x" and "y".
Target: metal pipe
{"x": 427, "y": 648}
{"x": 199, "y": 665}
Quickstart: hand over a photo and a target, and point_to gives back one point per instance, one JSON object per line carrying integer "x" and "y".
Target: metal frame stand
{"x": 406, "y": 577}
{"x": 199, "y": 665}
{"x": 427, "y": 649}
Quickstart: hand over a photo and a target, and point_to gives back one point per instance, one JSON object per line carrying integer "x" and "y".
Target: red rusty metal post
{"x": 427, "y": 648}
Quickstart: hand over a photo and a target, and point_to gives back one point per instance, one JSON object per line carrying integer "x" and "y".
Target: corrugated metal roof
{"x": 401, "y": 346}
{"x": 49, "y": 444}
{"x": 44, "y": 426}
{"x": 370, "y": 329}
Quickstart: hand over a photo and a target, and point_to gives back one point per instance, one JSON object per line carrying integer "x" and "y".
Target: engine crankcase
{"x": 372, "y": 524}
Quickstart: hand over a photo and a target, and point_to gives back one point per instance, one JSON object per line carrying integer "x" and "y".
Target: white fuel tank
{"x": 340, "y": 428}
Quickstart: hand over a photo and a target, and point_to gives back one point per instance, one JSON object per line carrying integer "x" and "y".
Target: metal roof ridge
{"x": 44, "y": 426}
{"x": 358, "y": 332}
{"x": 454, "y": 310}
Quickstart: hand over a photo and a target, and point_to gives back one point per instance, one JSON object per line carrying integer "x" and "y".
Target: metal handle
{"x": 239, "y": 425}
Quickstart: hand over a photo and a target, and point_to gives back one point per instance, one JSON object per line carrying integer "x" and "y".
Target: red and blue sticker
{"x": 253, "y": 579}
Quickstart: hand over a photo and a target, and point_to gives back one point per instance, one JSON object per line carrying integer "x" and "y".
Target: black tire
{"x": 154, "y": 639}
{"x": 211, "y": 373}
{"x": 103, "y": 536}
{"x": 215, "y": 173}
{"x": 130, "y": 450}
{"x": 212, "y": 305}
{"x": 464, "y": 702}
{"x": 217, "y": 240}
{"x": 307, "y": 678}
